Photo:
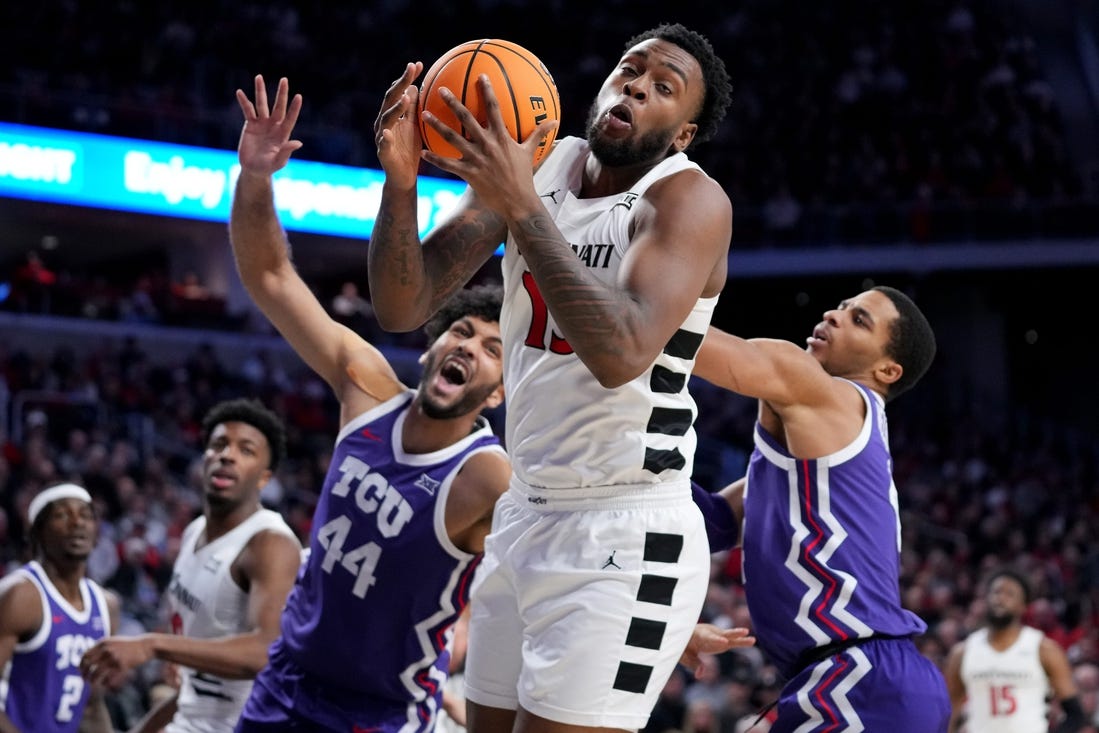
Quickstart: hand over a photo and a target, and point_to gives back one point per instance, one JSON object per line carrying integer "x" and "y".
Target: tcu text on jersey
{"x": 70, "y": 649}
{"x": 373, "y": 495}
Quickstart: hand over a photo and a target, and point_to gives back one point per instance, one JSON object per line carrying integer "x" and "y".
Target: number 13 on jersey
{"x": 539, "y": 321}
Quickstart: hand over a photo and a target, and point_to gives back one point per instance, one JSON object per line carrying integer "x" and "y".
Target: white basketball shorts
{"x": 582, "y": 607}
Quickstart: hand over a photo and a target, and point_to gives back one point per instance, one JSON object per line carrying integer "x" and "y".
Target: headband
{"x": 47, "y": 497}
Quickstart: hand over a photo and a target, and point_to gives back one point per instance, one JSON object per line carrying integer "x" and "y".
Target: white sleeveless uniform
{"x": 574, "y": 597}
{"x": 1006, "y": 690}
{"x": 207, "y": 603}
{"x": 565, "y": 430}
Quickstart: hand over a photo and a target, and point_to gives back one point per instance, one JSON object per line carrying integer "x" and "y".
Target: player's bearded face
{"x": 1000, "y": 618}
{"x": 652, "y": 145}
{"x": 470, "y": 399}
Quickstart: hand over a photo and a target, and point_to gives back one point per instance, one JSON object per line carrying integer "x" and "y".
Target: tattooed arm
{"x": 408, "y": 279}
{"x": 678, "y": 252}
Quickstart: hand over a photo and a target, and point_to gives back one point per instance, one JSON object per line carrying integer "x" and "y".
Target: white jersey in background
{"x": 564, "y": 430}
{"x": 207, "y": 603}
{"x": 1006, "y": 690}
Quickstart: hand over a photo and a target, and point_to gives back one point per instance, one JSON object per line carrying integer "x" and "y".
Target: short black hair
{"x": 1011, "y": 574}
{"x": 719, "y": 90}
{"x": 483, "y": 301}
{"x": 250, "y": 412}
{"x": 911, "y": 344}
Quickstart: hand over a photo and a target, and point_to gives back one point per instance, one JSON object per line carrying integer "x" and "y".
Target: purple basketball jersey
{"x": 42, "y": 689}
{"x": 879, "y": 685}
{"x": 822, "y": 537}
{"x": 366, "y": 628}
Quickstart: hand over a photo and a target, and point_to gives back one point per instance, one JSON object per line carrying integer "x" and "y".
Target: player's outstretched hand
{"x": 265, "y": 143}
{"x": 111, "y": 659}
{"x": 397, "y": 129}
{"x": 710, "y": 639}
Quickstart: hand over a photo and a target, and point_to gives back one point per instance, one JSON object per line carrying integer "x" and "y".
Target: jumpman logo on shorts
{"x": 610, "y": 561}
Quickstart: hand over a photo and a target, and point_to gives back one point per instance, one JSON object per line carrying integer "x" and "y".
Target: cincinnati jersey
{"x": 1006, "y": 690}
{"x": 822, "y": 543}
{"x": 563, "y": 429}
{"x": 42, "y": 689}
{"x": 383, "y": 584}
{"x": 206, "y": 603}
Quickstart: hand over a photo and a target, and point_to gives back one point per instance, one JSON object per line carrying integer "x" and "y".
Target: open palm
{"x": 265, "y": 143}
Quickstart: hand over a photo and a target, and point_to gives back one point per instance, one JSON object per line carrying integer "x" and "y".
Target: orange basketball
{"x": 523, "y": 86}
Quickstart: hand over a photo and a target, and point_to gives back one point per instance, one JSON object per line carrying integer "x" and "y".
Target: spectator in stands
{"x": 33, "y": 284}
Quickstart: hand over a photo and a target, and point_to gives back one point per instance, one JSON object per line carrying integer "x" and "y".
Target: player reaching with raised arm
{"x": 400, "y": 523}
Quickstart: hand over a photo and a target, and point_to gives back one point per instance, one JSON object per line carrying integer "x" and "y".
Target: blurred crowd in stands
{"x": 911, "y": 120}
{"x": 142, "y": 295}
{"x": 898, "y": 121}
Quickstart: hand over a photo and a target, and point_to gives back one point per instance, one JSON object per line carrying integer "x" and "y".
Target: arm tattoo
{"x": 404, "y": 242}
{"x": 459, "y": 251}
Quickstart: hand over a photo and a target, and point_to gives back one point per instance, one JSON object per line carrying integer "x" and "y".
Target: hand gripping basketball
{"x": 523, "y": 86}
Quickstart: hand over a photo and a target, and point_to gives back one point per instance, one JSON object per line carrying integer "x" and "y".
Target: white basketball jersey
{"x": 564, "y": 430}
{"x": 207, "y": 603}
{"x": 1006, "y": 690}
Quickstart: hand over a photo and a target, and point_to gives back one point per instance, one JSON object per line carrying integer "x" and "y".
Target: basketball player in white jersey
{"x": 616, "y": 251}
{"x": 236, "y": 565}
{"x": 1001, "y": 676}
{"x": 50, "y": 613}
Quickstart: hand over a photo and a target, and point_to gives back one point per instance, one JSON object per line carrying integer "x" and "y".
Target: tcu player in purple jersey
{"x": 821, "y": 536}
{"x": 50, "y": 614}
{"x": 406, "y": 505}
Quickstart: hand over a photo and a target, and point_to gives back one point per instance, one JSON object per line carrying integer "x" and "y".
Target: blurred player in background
{"x": 1001, "y": 676}
{"x": 236, "y": 565}
{"x": 50, "y": 614}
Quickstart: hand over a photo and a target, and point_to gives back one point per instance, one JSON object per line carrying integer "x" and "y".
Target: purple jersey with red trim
{"x": 822, "y": 544}
{"x": 370, "y": 617}
{"x": 41, "y": 688}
